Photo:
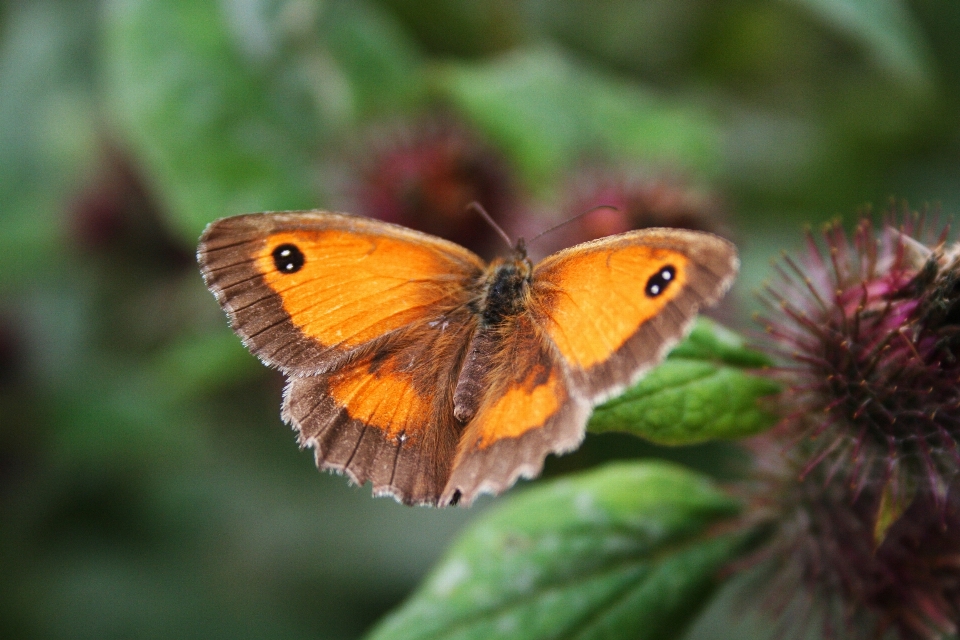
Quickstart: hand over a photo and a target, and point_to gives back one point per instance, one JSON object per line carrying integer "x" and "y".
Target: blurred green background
{"x": 148, "y": 488}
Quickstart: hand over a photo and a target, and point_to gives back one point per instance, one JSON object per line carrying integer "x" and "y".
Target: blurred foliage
{"x": 147, "y": 486}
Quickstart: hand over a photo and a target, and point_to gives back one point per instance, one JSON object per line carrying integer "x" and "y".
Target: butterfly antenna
{"x": 476, "y": 206}
{"x": 576, "y": 217}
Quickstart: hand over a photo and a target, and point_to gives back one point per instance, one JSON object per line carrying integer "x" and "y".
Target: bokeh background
{"x": 148, "y": 488}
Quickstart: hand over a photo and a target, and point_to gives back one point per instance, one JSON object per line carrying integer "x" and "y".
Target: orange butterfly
{"x": 413, "y": 364}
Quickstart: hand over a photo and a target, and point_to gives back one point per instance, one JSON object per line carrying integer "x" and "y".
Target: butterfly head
{"x": 520, "y": 250}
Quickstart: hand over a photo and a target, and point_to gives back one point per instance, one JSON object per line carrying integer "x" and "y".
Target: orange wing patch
{"x": 372, "y": 424}
{"x": 593, "y": 300}
{"x": 384, "y": 398}
{"x": 355, "y": 287}
{"x": 522, "y": 407}
{"x": 525, "y": 415}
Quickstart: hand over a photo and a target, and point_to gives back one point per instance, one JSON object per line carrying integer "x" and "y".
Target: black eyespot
{"x": 659, "y": 281}
{"x": 289, "y": 259}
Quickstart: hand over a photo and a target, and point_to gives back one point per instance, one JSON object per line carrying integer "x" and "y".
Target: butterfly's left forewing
{"x": 304, "y": 290}
{"x": 613, "y": 307}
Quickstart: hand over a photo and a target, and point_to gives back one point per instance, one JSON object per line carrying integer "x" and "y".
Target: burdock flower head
{"x": 870, "y": 329}
{"x": 862, "y": 471}
{"x": 824, "y": 566}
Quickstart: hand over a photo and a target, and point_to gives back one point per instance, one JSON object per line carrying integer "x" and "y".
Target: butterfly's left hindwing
{"x": 387, "y": 416}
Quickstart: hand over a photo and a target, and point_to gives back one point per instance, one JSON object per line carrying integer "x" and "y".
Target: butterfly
{"x": 416, "y": 366}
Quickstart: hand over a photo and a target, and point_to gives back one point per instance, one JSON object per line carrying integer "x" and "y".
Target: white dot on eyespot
{"x": 285, "y": 253}
{"x": 655, "y": 289}
{"x": 665, "y": 274}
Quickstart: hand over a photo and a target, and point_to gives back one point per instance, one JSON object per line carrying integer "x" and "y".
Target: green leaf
{"x": 547, "y": 112}
{"x": 461, "y": 29}
{"x": 703, "y": 391}
{"x": 619, "y": 552}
